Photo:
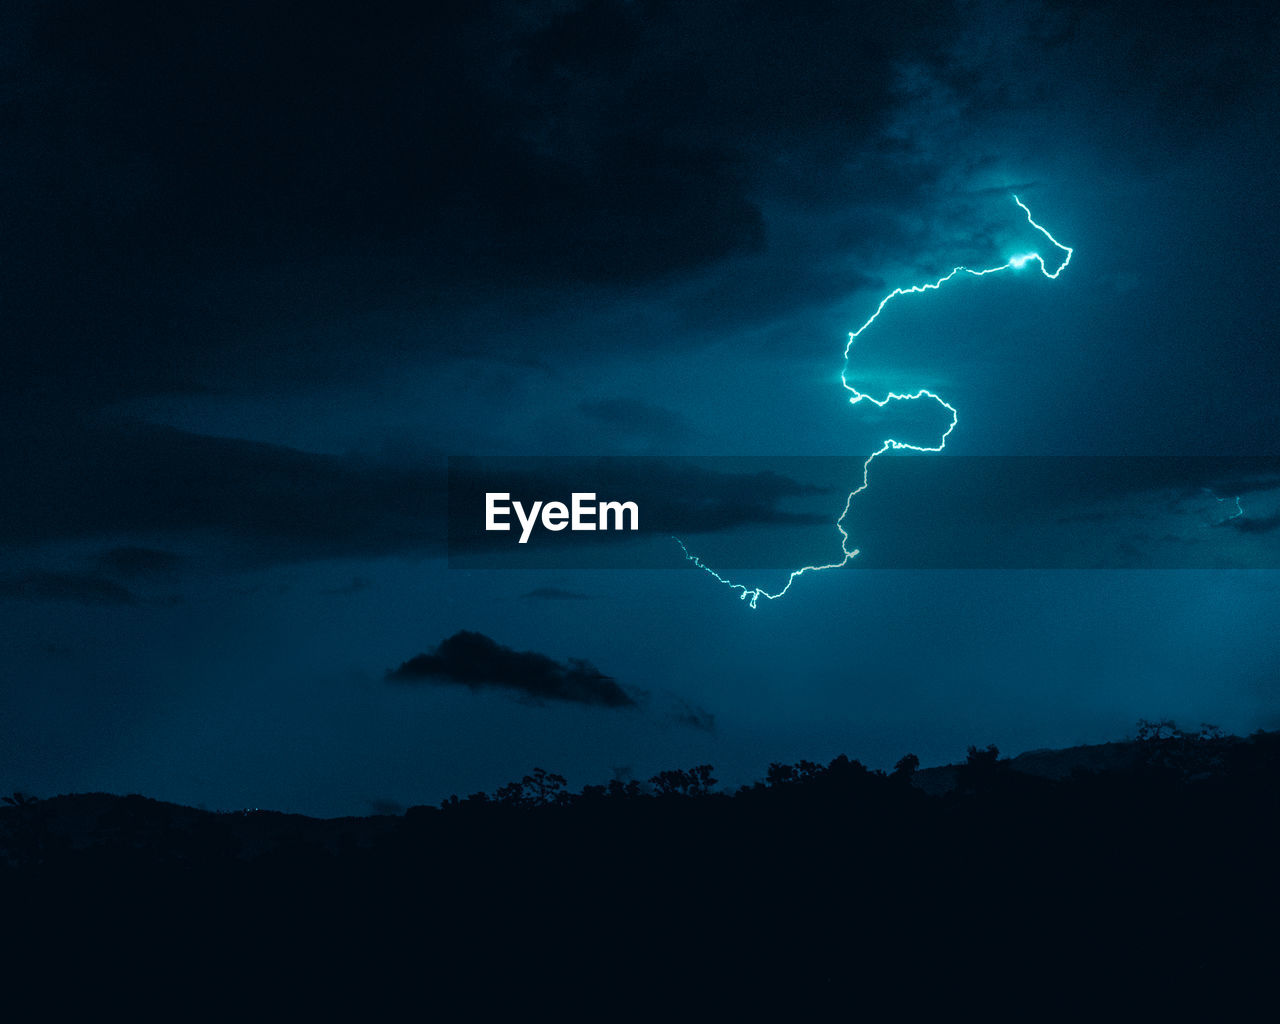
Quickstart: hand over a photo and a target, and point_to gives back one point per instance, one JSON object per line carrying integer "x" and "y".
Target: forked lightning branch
{"x": 753, "y": 594}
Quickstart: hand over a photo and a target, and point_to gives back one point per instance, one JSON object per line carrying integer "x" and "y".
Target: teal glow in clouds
{"x": 753, "y": 594}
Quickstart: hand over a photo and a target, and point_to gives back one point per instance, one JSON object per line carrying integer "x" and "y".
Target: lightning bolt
{"x": 753, "y": 594}
{"x": 1237, "y": 514}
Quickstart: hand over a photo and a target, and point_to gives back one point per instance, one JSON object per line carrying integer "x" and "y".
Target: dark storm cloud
{"x": 956, "y": 512}
{"x": 196, "y": 195}
{"x": 1079, "y": 480}
{"x": 184, "y": 180}
{"x": 78, "y": 588}
{"x": 269, "y": 502}
{"x": 770, "y": 285}
{"x": 981, "y": 512}
{"x": 476, "y": 660}
{"x": 693, "y": 716}
{"x": 263, "y": 504}
{"x": 693, "y": 499}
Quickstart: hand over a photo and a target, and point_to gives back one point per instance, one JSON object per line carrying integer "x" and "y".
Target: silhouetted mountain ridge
{"x": 1142, "y": 870}
{"x": 33, "y": 830}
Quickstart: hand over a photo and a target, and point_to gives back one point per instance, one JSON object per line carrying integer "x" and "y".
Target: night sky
{"x": 268, "y": 266}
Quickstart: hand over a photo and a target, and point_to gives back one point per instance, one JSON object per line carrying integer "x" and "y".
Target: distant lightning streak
{"x": 753, "y": 594}
{"x": 1237, "y": 514}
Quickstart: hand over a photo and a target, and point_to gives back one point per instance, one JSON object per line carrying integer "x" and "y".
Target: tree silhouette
{"x": 696, "y": 781}
{"x": 1153, "y": 732}
{"x": 980, "y": 771}
{"x": 1165, "y": 747}
{"x": 801, "y": 771}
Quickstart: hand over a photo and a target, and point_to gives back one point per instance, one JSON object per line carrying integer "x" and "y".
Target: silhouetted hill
{"x": 1045, "y": 764}
{"x": 1138, "y": 869}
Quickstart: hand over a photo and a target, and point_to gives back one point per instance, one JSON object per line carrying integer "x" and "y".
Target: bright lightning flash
{"x": 753, "y": 594}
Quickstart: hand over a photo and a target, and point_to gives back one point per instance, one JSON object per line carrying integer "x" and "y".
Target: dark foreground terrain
{"x": 1138, "y": 875}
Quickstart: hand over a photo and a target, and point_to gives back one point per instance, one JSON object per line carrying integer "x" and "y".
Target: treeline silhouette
{"x": 1155, "y": 878}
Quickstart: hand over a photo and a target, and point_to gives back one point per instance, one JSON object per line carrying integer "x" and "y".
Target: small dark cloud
{"x": 693, "y": 716}
{"x": 476, "y": 660}
{"x": 554, "y": 594}
{"x": 393, "y": 807}
{"x": 139, "y": 562}
{"x": 79, "y": 588}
